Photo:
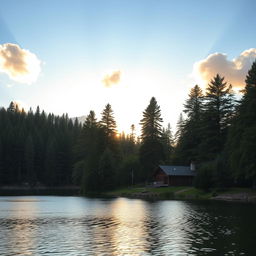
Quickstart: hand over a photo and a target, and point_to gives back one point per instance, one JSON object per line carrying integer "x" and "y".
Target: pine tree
{"x": 108, "y": 121}
{"x": 88, "y": 151}
{"x": 179, "y": 129}
{"x": 217, "y": 116}
{"x": 242, "y": 137}
{"x": 151, "y": 122}
{"x": 12, "y": 107}
{"x": 91, "y": 121}
{"x": 193, "y": 105}
{"x": 167, "y": 142}
{"x": 132, "y": 134}
{"x": 151, "y": 150}
{"x": 189, "y": 131}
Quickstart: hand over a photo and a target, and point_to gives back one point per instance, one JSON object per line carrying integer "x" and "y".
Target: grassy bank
{"x": 161, "y": 193}
{"x": 231, "y": 194}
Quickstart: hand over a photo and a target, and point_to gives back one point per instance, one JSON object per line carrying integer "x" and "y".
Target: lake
{"x": 51, "y": 225}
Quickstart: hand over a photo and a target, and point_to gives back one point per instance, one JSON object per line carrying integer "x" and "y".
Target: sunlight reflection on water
{"x": 82, "y": 226}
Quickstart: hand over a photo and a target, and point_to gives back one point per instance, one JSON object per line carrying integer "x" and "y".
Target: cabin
{"x": 170, "y": 175}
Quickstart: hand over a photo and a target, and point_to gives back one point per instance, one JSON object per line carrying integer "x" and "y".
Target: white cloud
{"x": 234, "y": 70}
{"x": 19, "y": 64}
{"x": 111, "y": 79}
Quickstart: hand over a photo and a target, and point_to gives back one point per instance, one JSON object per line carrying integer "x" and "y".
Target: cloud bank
{"x": 19, "y": 64}
{"x": 111, "y": 79}
{"x": 234, "y": 71}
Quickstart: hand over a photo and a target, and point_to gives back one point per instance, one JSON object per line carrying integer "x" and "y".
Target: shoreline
{"x": 39, "y": 190}
{"x": 186, "y": 193}
{"x": 147, "y": 193}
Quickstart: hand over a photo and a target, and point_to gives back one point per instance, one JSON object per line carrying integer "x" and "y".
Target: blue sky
{"x": 153, "y": 43}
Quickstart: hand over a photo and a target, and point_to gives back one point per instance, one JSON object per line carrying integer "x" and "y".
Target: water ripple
{"x": 80, "y": 226}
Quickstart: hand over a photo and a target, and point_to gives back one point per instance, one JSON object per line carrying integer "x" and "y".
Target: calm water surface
{"x": 49, "y": 225}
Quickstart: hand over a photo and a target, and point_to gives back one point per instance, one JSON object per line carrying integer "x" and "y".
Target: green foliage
{"x": 107, "y": 121}
{"x": 129, "y": 172}
{"x": 50, "y": 162}
{"x": 217, "y": 115}
{"x": 29, "y": 161}
{"x": 151, "y": 155}
{"x": 107, "y": 170}
{"x": 78, "y": 172}
{"x": 167, "y": 143}
{"x": 189, "y": 131}
{"x": 96, "y": 153}
{"x": 27, "y": 150}
{"x": 204, "y": 176}
{"x": 194, "y": 104}
{"x": 151, "y": 122}
{"x": 242, "y": 140}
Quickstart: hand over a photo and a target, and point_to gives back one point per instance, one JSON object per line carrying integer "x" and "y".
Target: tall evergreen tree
{"x": 151, "y": 150}
{"x": 179, "y": 129}
{"x": 12, "y": 107}
{"x": 132, "y": 134}
{"x": 189, "y": 130}
{"x": 217, "y": 116}
{"x": 108, "y": 121}
{"x": 91, "y": 121}
{"x": 242, "y": 137}
{"x": 89, "y": 149}
{"x": 168, "y": 143}
{"x": 194, "y": 103}
{"x": 151, "y": 126}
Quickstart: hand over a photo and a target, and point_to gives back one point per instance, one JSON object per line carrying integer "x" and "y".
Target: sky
{"x": 73, "y": 56}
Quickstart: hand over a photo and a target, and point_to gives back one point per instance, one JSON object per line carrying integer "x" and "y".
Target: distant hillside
{"x": 81, "y": 119}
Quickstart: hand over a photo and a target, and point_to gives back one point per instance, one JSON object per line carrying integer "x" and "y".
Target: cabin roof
{"x": 173, "y": 170}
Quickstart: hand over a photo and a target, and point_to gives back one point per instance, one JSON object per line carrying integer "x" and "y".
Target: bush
{"x": 204, "y": 178}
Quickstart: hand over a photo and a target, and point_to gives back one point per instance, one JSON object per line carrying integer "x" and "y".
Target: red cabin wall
{"x": 181, "y": 180}
{"x": 160, "y": 176}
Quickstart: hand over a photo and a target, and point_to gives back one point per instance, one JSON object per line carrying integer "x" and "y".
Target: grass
{"x": 238, "y": 190}
{"x": 182, "y": 192}
{"x": 194, "y": 193}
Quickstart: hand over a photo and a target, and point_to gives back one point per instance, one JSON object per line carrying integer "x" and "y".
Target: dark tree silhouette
{"x": 151, "y": 150}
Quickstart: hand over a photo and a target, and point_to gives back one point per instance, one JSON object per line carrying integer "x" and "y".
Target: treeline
{"x": 36, "y": 148}
{"x": 217, "y": 132}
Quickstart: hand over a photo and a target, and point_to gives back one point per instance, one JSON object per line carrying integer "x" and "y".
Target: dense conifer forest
{"x": 217, "y": 131}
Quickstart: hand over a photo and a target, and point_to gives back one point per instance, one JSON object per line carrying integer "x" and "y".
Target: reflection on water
{"x": 82, "y": 226}
{"x": 131, "y": 218}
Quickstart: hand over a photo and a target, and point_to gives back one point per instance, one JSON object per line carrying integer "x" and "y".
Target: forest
{"x": 217, "y": 131}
